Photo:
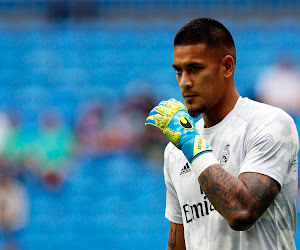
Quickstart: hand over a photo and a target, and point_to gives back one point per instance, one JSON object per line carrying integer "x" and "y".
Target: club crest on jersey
{"x": 225, "y": 155}
{"x": 185, "y": 123}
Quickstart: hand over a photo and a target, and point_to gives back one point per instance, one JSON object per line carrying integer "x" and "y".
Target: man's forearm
{"x": 176, "y": 237}
{"x": 240, "y": 202}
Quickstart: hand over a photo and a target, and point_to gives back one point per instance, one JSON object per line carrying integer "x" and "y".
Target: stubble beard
{"x": 196, "y": 113}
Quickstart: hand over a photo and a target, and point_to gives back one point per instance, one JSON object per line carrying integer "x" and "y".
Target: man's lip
{"x": 189, "y": 95}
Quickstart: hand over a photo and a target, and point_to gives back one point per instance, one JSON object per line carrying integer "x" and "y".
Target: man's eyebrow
{"x": 194, "y": 64}
{"x": 188, "y": 65}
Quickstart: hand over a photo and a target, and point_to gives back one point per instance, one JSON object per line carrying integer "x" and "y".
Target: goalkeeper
{"x": 231, "y": 178}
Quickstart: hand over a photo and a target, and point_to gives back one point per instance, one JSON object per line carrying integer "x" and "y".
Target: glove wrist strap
{"x": 187, "y": 148}
{"x": 202, "y": 162}
{"x": 194, "y": 146}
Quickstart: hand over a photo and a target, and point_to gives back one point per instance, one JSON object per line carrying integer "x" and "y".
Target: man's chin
{"x": 196, "y": 113}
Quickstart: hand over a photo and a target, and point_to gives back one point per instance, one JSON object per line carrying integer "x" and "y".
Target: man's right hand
{"x": 178, "y": 126}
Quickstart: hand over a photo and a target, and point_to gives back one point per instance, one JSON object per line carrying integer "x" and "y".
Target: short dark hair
{"x": 207, "y": 31}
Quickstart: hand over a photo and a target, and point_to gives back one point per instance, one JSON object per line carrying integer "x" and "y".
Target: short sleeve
{"x": 173, "y": 210}
{"x": 272, "y": 145}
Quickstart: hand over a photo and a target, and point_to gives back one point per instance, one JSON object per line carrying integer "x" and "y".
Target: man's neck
{"x": 218, "y": 113}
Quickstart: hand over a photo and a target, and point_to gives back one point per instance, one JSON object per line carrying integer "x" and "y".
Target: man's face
{"x": 200, "y": 75}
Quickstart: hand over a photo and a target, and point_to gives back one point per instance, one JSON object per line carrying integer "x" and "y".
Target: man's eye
{"x": 195, "y": 68}
{"x": 178, "y": 71}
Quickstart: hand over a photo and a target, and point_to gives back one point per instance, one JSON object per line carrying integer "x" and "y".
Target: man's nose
{"x": 185, "y": 80}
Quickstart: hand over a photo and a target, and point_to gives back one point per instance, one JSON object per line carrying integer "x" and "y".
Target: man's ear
{"x": 229, "y": 66}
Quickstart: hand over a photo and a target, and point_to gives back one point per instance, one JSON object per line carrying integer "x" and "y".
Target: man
{"x": 242, "y": 153}
{"x": 14, "y": 209}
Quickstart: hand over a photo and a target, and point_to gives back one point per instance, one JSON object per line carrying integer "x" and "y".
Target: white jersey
{"x": 253, "y": 137}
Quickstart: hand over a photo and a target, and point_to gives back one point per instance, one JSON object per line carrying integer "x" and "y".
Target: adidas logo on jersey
{"x": 185, "y": 169}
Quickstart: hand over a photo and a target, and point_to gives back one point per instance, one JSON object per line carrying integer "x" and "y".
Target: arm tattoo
{"x": 251, "y": 193}
{"x": 263, "y": 190}
{"x": 172, "y": 235}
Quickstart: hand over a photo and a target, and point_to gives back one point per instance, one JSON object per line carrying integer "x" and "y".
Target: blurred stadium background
{"x": 77, "y": 80}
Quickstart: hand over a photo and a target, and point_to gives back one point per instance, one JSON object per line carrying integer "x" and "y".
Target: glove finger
{"x": 175, "y": 105}
{"x": 172, "y": 100}
{"x": 166, "y": 111}
{"x": 162, "y": 103}
{"x": 153, "y": 111}
{"x": 150, "y": 120}
{"x": 158, "y": 120}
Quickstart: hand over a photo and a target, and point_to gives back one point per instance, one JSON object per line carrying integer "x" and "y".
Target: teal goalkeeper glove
{"x": 178, "y": 126}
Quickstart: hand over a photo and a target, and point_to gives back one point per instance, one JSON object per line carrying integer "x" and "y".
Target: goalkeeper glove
{"x": 178, "y": 126}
